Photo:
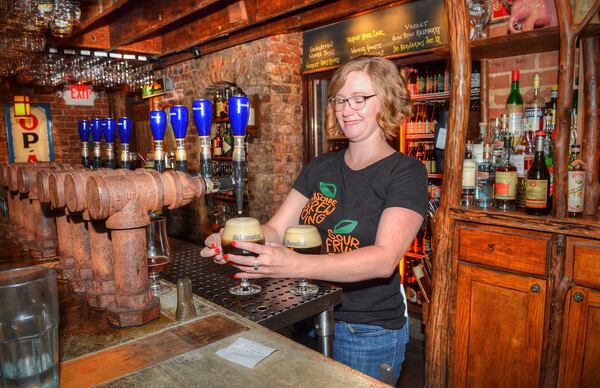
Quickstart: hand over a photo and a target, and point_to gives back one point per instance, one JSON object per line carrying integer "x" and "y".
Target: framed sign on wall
{"x": 29, "y": 139}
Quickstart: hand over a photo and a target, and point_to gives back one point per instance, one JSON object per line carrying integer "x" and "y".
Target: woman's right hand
{"x": 213, "y": 248}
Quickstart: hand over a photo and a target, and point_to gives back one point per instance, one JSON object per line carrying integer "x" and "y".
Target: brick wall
{"x": 268, "y": 68}
{"x": 546, "y": 64}
{"x": 64, "y": 120}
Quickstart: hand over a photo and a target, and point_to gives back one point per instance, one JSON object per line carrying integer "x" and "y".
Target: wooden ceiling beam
{"x": 211, "y": 26}
{"x": 96, "y": 12}
{"x": 150, "y": 18}
{"x": 303, "y": 19}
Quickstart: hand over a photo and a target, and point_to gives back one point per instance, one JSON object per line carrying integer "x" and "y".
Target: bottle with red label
{"x": 537, "y": 186}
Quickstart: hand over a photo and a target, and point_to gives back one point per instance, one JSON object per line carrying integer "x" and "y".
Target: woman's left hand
{"x": 273, "y": 261}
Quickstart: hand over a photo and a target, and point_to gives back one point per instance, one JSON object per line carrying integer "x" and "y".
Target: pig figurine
{"x": 526, "y": 15}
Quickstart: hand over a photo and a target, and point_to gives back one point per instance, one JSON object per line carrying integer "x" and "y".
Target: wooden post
{"x": 590, "y": 142}
{"x": 438, "y": 330}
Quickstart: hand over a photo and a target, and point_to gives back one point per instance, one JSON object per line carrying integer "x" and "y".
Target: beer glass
{"x": 242, "y": 229}
{"x": 157, "y": 246}
{"x": 304, "y": 239}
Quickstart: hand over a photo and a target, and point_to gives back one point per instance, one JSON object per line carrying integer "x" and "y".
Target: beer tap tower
{"x": 109, "y": 129}
{"x": 125, "y": 126}
{"x": 239, "y": 108}
{"x": 158, "y": 125}
{"x": 179, "y": 123}
{"x": 84, "y": 136}
{"x": 97, "y": 137}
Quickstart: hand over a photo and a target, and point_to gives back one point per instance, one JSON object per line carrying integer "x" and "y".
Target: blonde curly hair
{"x": 388, "y": 85}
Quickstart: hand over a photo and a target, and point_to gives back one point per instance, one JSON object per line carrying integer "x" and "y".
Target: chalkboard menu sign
{"x": 414, "y": 26}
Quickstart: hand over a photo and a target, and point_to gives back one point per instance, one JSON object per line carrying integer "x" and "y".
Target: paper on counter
{"x": 245, "y": 352}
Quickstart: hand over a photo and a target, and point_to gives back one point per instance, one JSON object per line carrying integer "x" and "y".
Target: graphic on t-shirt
{"x": 339, "y": 239}
{"x": 321, "y": 204}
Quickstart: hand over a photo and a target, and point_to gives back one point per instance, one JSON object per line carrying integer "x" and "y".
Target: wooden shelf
{"x": 582, "y": 227}
{"x": 220, "y": 120}
{"x": 441, "y": 96}
{"x": 222, "y": 158}
{"x": 414, "y": 255}
{"x": 438, "y": 175}
{"x": 528, "y": 42}
{"x": 221, "y": 197}
{"x": 416, "y": 136}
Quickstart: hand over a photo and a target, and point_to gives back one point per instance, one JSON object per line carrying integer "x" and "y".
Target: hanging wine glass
{"x": 480, "y": 12}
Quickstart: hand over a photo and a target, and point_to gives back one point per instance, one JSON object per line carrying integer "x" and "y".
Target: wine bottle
{"x": 514, "y": 109}
{"x": 576, "y": 183}
{"x": 505, "y": 191}
{"x": 228, "y": 141}
{"x": 537, "y": 186}
{"x": 218, "y": 104}
{"x": 468, "y": 177}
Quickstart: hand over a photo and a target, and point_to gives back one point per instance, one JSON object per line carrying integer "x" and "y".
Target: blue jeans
{"x": 366, "y": 347}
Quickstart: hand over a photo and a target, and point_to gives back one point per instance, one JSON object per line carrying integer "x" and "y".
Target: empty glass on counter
{"x": 29, "y": 328}
{"x": 157, "y": 244}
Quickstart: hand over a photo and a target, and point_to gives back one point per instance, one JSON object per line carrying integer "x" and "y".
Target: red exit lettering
{"x": 80, "y": 92}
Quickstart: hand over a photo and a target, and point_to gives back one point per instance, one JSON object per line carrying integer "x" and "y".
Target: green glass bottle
{"x": 228, "y": 141}
{"x": 514, "y": 109}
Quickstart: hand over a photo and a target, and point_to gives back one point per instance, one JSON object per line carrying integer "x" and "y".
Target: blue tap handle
{"x": 158, "y": 124}
{"x": 84, "y": 130}
{"x": 125, "y": 126}
{"x": 179, "y": 120}
{"x": 239, "y": 110}
{"x": 202, "y": 113}
{"x": 96, "y": 129}
{"x": 110, "y": 128}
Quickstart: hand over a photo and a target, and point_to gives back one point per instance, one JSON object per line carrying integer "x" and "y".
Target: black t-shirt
{"x": 346, "y": 205}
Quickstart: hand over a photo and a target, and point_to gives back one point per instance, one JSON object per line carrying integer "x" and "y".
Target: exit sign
{"x": 82, "y": 95}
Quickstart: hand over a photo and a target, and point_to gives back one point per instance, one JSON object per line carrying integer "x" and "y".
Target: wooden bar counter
{"x": 171, "y": 353}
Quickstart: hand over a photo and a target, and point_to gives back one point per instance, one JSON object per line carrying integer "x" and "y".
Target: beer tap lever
{"x": 239, "y": 110}
{"x": 96, "y": 126}
{"x": 202, "y": 114}
{"x": 84, "y": 137}
{"x": 109, "y": 127}
{"x": 179, "y": 123}
{"x": 158, "y": 125}
{"x": 125, "y": 126}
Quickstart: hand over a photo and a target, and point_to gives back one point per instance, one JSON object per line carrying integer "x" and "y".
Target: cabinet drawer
{"x": 583, "y": 261}
{"x": 512, "y": 249}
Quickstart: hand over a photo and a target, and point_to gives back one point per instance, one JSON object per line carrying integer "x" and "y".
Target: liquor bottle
{"x": 427, "y": 237}
{"x": 420, "y": 152}
{"x": 485, "y": 178}
{"x": 218, "y": 104}
{"x": 225, "y": 106}
{"x": 537, "y": 186}
{"x": 478, "y": 143}
{"x": 228, "y": 141}
{"x": 429, "y": 81}
{"x": 551, "y": 112}
{"x": 440, "y": 81}
{"x": 514, "y": 109}
{"x": 498, "y": 142}
{"x": 432, "y": 162}
{"x": 217, "y": 143}
{"x": 412, "y": 81}
{"x": 505, "y": 191}
{"x": 574, "y": 108}
{"x": 468, "y": 177}
{"x": 534, "y": 109}
{"x": 421, "y": 83}
{"x": 576, "y": 182}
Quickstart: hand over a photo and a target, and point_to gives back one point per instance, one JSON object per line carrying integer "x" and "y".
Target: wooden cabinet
{"x": 499, "y": 321}
{"x": 580, "y": 358}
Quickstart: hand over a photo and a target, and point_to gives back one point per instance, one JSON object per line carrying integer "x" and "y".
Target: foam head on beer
{"x": 303, "y": 239}
{"x": 242, "y": 229}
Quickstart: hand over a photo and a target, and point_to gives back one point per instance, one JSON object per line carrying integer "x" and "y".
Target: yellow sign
{"x": 29, "y": 139}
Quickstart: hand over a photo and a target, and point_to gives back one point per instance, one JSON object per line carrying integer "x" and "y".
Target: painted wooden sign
{"x": 29, "y": 139}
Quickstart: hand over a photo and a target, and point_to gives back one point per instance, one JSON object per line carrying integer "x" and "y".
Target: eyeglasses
{"x": 355, "y": 102}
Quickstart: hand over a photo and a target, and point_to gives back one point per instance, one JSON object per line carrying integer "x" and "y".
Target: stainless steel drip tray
{"x": 274, "y": 307}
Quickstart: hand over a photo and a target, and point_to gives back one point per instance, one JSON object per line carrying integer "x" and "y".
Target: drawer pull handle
{"x": 491, "y": 247}
{"x": 578, "y": 297}
{"x": 536, "y": 288}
